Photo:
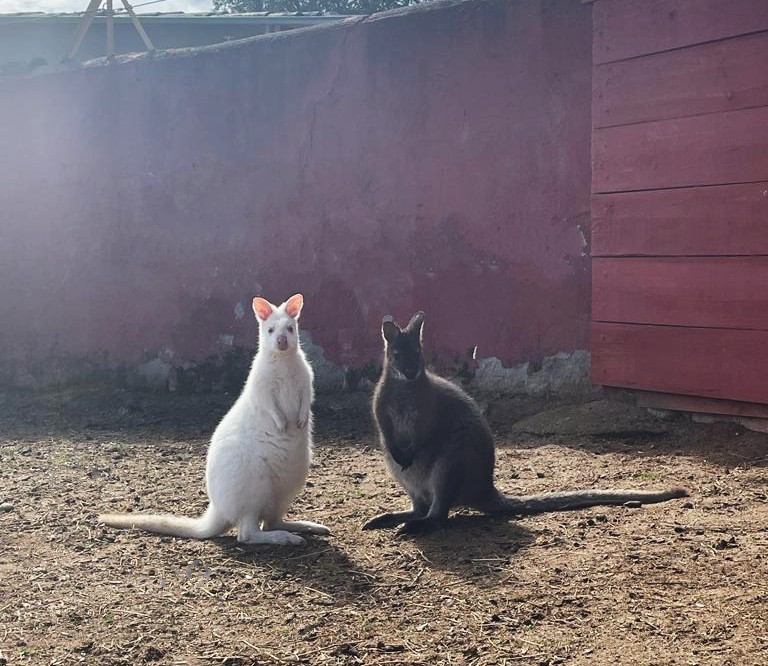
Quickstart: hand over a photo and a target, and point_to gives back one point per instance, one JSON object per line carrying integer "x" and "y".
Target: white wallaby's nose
{"x": 282, "y": 342}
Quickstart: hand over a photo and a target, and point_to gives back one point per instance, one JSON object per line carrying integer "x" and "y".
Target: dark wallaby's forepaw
{"x": 402, "y": 457}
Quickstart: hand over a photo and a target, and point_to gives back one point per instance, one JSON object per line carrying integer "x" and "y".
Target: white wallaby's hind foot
{"x": 249, "y": 531}
{"x": 271, "y": 537}
{"x": 305, "y": 526}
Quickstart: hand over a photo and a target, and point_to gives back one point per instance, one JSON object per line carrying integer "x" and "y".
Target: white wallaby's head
{"x": 278, "y": 325}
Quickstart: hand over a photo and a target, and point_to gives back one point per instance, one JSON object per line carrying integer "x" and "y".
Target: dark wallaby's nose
{"x": 282, "y": 342}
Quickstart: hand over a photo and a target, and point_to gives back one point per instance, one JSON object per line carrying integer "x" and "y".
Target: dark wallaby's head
{"x": 402, "y": 346}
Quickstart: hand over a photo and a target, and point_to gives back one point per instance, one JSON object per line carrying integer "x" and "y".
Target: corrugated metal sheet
{"x": 268, "y": 18}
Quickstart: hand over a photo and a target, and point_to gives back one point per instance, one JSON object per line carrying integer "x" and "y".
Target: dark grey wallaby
{"x": 438, "y": 446}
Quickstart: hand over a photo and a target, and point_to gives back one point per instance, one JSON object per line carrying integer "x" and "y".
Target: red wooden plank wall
{"x": 629, "y": 28}
{"x": 680, "y": 198}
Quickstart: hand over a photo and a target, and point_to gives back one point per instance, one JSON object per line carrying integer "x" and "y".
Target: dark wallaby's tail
{"x": 210, "y": 524}
{"x": 526, "y": 505}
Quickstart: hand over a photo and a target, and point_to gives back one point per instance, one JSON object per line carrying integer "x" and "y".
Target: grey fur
{"x": 438, "y": 446}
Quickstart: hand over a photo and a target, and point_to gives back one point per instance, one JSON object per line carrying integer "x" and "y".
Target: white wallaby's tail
{"x": 210, "y": 524}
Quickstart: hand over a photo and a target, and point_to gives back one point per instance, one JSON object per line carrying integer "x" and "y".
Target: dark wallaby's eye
{"x": 271, "y": 330}
{"x": 290, "y": 329}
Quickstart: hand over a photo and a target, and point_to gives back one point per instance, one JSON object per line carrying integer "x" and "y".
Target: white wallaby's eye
{"x": 271, "y": 330}
{"x": 290, "y": 329}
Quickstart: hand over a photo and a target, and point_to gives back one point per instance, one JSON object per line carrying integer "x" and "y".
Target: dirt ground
{"x": 684, "y": 582}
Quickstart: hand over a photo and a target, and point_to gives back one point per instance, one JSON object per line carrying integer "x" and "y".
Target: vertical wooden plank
{"x": 110, "y": 30}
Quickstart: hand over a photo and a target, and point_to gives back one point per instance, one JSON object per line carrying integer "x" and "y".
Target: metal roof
{"x": 287, "y": 18}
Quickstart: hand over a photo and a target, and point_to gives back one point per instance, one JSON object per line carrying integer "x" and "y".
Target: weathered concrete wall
{"x": 435, "y": 159}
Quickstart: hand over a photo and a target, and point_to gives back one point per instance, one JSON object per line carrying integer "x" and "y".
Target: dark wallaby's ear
{"x": 416, "y": 324}
{"x": 389, "y": 329}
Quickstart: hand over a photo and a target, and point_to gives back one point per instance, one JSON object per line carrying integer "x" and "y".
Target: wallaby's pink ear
{"x": 293, "y": 306}
{"x": 262, "y": 308}
{"x": 389, "y": 329}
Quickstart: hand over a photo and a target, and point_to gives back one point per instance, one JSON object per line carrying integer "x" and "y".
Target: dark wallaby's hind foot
{"x": 389, "y": 520}
{"x": 420, "y": 526}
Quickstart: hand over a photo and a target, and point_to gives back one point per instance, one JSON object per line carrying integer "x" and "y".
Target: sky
{"x": 10, "y": 6}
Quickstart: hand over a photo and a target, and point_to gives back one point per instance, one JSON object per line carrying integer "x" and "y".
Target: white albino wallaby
{"x": 259, "y": 454}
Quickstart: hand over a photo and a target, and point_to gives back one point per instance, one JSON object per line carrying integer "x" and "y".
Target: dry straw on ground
{"x": 679, "y": 583}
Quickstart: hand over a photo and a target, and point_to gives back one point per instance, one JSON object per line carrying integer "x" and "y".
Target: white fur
{"x": 259, "y": 454}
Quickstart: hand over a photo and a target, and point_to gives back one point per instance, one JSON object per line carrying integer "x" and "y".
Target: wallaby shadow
{"x": 475, "y": 546}
{"x": 320, "y": 564}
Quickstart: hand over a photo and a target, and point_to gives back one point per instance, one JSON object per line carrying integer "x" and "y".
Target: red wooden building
{"x": 680, "y": 202}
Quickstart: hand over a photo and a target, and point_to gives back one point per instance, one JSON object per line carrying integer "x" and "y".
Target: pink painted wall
{"x": 435, "y": 158}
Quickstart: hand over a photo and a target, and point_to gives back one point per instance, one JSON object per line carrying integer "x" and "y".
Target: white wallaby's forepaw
{"x": 302, "y": 420}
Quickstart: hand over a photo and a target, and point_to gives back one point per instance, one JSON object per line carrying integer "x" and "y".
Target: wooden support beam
{"x": 110, "y": 30}
{"x": 82, "y": 28}
{"x": 87, "y": 19}
{"x": 139, "y": 28}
